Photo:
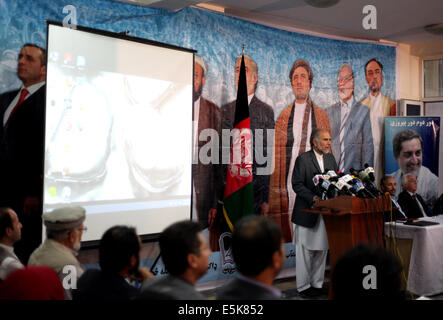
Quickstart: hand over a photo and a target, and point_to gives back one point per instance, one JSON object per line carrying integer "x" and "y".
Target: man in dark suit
{"x": 261, "y": 117}
{"x": 310, "y": 233}
{"x": 185, "y": 254}
{"x": 411, "y": 202}
{"x": 388, "y": 185}
{"x": 350, "y": 129}
{"x": 21, "y": 147}
{"x": 206, "y": 173}
{"x": 259, "y": 255}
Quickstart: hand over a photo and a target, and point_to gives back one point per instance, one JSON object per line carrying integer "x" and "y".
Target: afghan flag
{"x": 238, "y": 200}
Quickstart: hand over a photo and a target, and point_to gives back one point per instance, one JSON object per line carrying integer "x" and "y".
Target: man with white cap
{"x": 206, "y": 175}
{"x": 64, "y": 229}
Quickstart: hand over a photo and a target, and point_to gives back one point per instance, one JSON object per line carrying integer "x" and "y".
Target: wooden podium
{"x": 350, "y": 221}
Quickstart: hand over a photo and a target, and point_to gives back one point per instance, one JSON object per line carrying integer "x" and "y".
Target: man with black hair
{"x": 368, "y": 272}
{"x": 407, "y": 147}
{"x": 21, "y": 147}
{"x": 10, "y": 233}
{"x": 259, "y": 254}
{"x": 381, "y": 106}
{"x": 119, "y": 257}
{"x": 185, "y": 254}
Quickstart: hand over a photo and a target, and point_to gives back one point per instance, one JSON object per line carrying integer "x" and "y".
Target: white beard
{"x": 77, "y": 245}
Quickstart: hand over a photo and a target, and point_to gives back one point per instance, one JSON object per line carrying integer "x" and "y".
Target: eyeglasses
{"x": 341, "y": 80}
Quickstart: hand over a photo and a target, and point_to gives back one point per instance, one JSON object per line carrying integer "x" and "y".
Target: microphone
{"x": 353, "y": 172}
{"x": 344, "y": 187}
{"x": 361, "y": 190}
{"x": 332, "y": 190}
{"x": 347, "y": 178}
{"x": 370, "y": 171}
{"x": 317, "y": 179}
{"x": 332, "y": 175}
{"x": 363, "y": 175}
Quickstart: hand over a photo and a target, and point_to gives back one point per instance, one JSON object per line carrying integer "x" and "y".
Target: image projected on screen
{"x": 118, "y": 130}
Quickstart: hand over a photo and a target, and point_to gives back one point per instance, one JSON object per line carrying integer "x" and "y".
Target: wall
{"x": 408, "y": 73}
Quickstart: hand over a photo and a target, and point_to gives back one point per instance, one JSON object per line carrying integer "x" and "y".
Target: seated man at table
{"x": 411, "y": 202}
{"x": 388, "y": 185}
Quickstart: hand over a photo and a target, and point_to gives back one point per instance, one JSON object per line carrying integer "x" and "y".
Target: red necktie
{"x": 23, "y": 95}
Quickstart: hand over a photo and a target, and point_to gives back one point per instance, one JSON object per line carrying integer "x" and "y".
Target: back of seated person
{"x": 119, "y": 257}
{"x": 368, "y": 272}
{"x": 259, "y": 254}
{"x": 32, "y": 283}
{"x": 185, "y": 254}
{"x": 438, "y": 206}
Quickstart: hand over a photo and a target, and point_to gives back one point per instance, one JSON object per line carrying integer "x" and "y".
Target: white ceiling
{"x": 397, "y": 20}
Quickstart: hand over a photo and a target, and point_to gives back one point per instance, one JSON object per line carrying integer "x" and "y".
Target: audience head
{"x": 31, "y": 68}
{"x": 65, "y": 225}
{"x": 409, "y": 183}
{"x": 10, "y": 226}
{"x": 184, "y": 250}
{"x": 257, "y": 244}
{"x": 389, "y": 185}
{"x": 119, "y": 250}
{"x": 32, "y": 283}
{"x": 408, "y": 151}
{"x": 368, "y": 272}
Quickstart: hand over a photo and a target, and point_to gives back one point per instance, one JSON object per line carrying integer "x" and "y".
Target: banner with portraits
{"x": 347, "y": 87}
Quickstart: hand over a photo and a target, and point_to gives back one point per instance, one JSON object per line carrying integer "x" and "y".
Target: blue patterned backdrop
{"x": 218, "y": 39}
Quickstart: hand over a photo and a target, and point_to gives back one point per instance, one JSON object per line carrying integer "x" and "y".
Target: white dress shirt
{"x": 299, "y": 109}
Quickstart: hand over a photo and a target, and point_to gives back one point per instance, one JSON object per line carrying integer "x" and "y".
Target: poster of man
{"x": 412, "y": 147}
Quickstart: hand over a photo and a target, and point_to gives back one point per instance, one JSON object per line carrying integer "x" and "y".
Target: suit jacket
{"x": 96, "y": 285}
{"x": 284, "y": 141}
{"x": 306, "y": 167}
{"x": 358, "y": 143}
{"x": 168, "y": 287}
{"x": 206, "y": 177}
{"x": 410, "y": 206}
{"x": 261, "y": 117}
{"x": 239, "y": 289}
{"x": 21, "y": 148}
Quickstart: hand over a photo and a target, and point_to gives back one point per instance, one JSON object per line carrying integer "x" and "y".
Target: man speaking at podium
{"x": 311, "y": 242}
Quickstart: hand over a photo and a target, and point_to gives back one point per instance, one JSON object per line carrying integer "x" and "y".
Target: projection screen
{"x": 118, "y": 137}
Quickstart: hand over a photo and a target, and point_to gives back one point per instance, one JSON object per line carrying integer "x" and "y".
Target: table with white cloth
{"x": 425, "y": 276}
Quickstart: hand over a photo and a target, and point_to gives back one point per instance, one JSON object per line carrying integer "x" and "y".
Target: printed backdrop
{"x": 218, "y": 40}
